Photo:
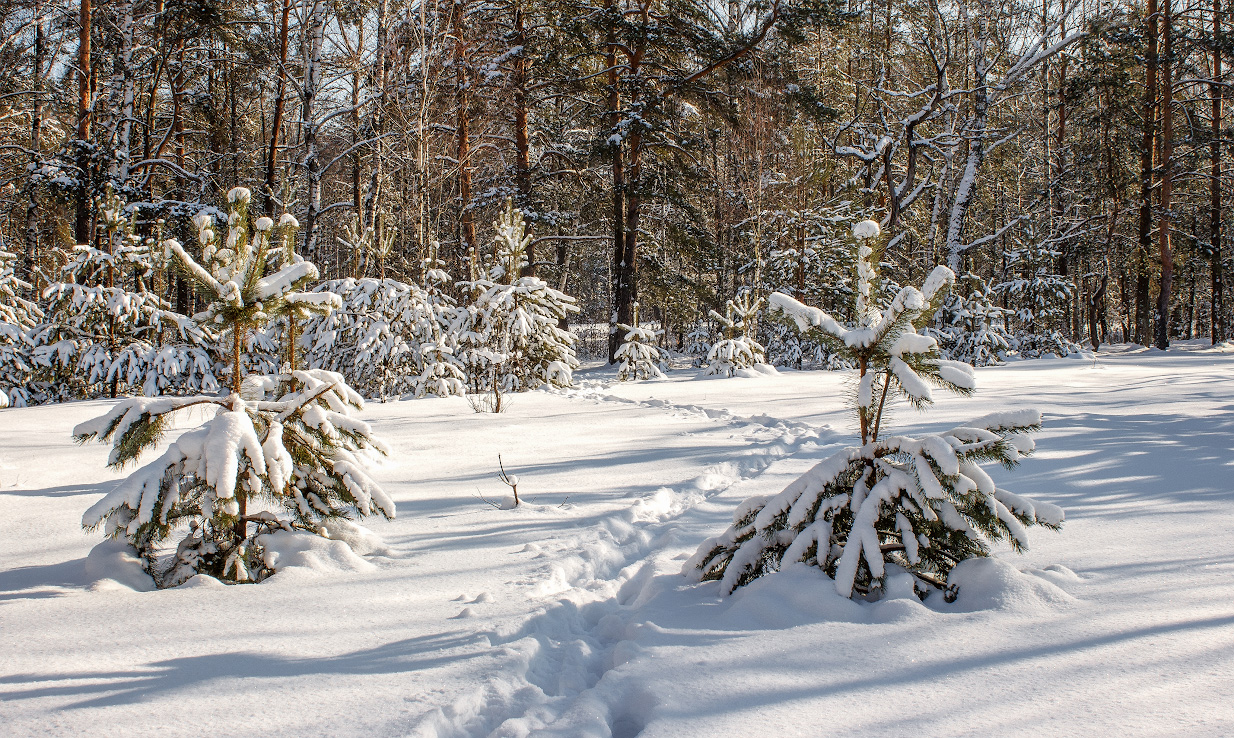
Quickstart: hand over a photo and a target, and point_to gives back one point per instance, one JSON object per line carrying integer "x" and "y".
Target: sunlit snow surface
{"x": 567, "y": 616}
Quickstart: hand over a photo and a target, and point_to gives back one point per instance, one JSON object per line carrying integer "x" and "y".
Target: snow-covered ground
{"x": 568, "y": 616}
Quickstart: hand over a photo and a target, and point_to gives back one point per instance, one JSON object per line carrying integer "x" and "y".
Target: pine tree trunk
{"x": 1147, "y": 164}
{"x": 1217, "y": 319}
{"x": 627, "y": 292}
{"x": 276, "y": 124}
{"x": 1166, "y": 279}
{"x": 467, "y": 223}
{"x": 83, "y": 220}
{"x": 381, "y": 69}
{"x": 619, "y": 179}
{"x": 522, "y": 138}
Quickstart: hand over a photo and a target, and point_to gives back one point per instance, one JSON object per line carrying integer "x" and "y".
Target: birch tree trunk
{"x": 309, "y": 88}
{"x": 975, "y": 133}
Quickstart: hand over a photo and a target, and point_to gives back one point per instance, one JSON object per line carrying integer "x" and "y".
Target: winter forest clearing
{"x": 569, "y": 614}
{"x": 648, "y": 368}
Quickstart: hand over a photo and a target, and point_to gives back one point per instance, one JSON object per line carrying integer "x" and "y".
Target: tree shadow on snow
{"x": 901, "y": 676}
{"x": 1099, "y": 464}
{"x": 108, "y": 688}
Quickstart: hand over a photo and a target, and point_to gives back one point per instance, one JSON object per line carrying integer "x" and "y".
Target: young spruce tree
{"x": 739, "y": 350}
{"x": 638, "y": 357}
{"x": 894, "y": 503}
{"x": 510, "y": 340}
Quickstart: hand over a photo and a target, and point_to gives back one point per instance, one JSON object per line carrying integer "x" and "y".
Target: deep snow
{"x": 568, "y": 616}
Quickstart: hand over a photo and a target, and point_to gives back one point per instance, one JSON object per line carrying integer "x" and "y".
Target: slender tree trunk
{"x": 1147, "y": 165}
{"x": 1217, "y": 316}
{"x": 276, "y": 124}
{"x": 128, "y": 83}
{"x": 377, "y": 117}
{"x": 522, "y": 145}
{"x": 237, "y": 345}
{"x": 359, "y": 261}
{"x": 1095, "y": 301}
{"x": 976, "y": 133}
{"x": 36, "y": 129}
{"x": 467, "y": 223}
{"x": 83, "y": 220}
{"x": 627, "y": 279}
{"x": 309, "y": 89}
{"x": 619, "y": 178}
{"x": 1166, "y": 282}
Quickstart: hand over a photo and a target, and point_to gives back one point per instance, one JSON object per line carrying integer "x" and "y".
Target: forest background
{"x": 1067, "y": 160}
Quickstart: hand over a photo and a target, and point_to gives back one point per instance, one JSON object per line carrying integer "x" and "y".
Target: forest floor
{"x": 568, "y": 615}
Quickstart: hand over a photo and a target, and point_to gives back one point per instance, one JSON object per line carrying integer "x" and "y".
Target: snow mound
{"x": 796, "y": 595}
{"x": 361, "y": 540}
{"x": 311, "y": 553}
{"x": 114, "y": 565}
{"x": 751, "y": 372}
{"x": 994, "y": 584}
{"x": 202, "y": 581}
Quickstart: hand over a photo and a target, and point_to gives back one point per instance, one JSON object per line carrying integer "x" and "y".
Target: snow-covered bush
{"x": 736, "y": 352}
{"x": 263, "y": 461}
{"x": 509, "y": 337}
{"x": 638, "y": 357}
{"x": 894, "y": 503}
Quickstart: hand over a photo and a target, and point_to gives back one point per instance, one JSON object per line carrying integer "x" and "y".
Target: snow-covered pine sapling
{"x": 698, "y": 341}
{"x": 737, "y": 352}
{"x": 258, "y": 464}
{"x": 638, "y": 357}
{"x": 894, "y": 503}
{"x": 295, "y": 306}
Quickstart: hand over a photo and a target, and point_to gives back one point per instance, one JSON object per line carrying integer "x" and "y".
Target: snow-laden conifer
{"x": 1041, "y": 298}
{"x": 970, "y": 328}
{"x": 17, "y": 316}
{"x": 389, "y": 338}
{"x": 894, "y": 503}
{"x": 280, "y": 451}
{"x": 638, "y": 357}
{"x": 509, "y": 335}
{"x": 698, "y": 341}
{"x": 105, "y": 331}
{"x": 739, "y": 350}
